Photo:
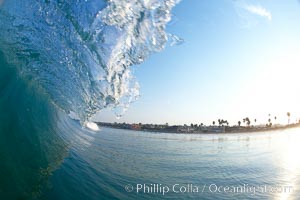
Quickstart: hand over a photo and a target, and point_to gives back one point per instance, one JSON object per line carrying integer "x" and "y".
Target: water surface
{"x": 103, "y": 163}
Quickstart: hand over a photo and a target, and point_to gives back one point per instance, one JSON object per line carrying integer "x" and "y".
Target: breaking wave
{"x": 80, "y": 52}
{"x": 66, "y": 58}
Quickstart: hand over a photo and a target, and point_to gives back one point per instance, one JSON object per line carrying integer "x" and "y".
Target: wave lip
{"x": 81, "y": 52}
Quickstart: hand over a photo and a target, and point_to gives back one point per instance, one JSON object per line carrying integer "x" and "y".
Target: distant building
{"x": 214, "y": 129}
{"x": 135, "y": 127}
{"x": 185, "y": 129}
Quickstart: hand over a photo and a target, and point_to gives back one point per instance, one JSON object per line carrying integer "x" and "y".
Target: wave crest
{"x": 81, "y": 52}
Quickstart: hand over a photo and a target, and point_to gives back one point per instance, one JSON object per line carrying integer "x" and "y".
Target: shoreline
{"x": 205, "y": 130}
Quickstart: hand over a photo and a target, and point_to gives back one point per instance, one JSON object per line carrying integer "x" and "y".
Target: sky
{"x": 240, "y": 59}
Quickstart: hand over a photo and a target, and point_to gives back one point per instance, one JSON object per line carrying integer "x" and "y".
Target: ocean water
{"x": 63, "y": 61}
{"x": 101, "y": 164}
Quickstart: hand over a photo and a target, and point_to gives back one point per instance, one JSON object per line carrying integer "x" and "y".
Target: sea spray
{"x": 81, "y": 52}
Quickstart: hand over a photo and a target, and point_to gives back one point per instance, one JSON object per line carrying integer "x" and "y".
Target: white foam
{"x": 93, "y": 126}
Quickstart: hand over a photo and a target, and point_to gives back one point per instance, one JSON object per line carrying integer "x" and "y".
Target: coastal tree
{"x": 270, "y": 122}
{"x": 289, "y": 116}
{"x": 239, "y": 123}
{"x": 248, "y": 121}
{"x": 214, "y": 123}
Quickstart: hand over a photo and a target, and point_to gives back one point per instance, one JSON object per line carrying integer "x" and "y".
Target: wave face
{"x": 30, "y": 143}
{"x": 80, "y": 52}
{"x": 61, "y": 58}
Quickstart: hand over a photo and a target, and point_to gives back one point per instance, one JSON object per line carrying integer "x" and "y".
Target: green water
{"x": 30, "y": 148}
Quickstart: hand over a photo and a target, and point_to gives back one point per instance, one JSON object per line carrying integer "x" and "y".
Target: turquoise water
{"x": 60, "y": 59}
{"x": 73, "y": 58}
{"x": 102, "y": 163}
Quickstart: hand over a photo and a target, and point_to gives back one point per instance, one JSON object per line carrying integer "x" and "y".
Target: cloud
{"x": 250, "y": 13}
{"x": 258, "y": 10}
